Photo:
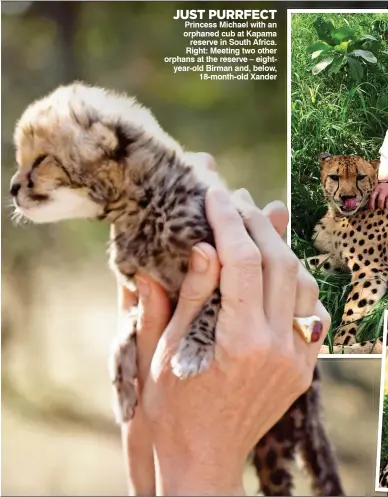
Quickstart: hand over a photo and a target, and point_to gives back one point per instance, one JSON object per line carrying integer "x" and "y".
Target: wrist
{"x": 184, "y": 474}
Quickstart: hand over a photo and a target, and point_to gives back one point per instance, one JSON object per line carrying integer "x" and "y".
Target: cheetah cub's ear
{"x": 324, "y": 157}
{"x": 375, "y": 164}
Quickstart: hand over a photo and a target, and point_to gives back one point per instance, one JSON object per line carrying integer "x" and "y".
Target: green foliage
{"x": 329, "y": 115}
{"x": 345, "y": 48}
{"x": 384, "y": 434}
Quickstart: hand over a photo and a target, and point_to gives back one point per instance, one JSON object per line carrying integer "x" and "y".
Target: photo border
{"x": 381, "y": 406}
{"x": 289, "y": 29}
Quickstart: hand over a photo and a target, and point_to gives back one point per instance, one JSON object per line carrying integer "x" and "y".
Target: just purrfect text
{"x": 224, "y": 14}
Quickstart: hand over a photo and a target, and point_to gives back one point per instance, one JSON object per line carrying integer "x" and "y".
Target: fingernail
{"x": 317, "y": 331}
{"x": 199, "y": 260}
{"x": 221, "y": 196}
{"x": 143, "y": 287}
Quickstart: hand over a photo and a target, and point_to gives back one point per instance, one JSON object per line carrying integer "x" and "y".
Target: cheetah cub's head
{"x": 76, "y": 150}
{"x": 348, "y": 181}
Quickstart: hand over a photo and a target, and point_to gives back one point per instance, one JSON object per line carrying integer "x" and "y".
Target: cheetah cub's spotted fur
{"x": 352, "y": 237}
{"x": 86, "y": 152}
{"x": 383, "y": 480}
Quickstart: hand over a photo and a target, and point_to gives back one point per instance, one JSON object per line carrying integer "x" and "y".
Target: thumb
{"x": 154, "y": 315}
{"x": 198, "y": 285}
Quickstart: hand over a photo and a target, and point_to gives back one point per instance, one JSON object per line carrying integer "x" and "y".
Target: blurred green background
{"x": 58, "y": 305}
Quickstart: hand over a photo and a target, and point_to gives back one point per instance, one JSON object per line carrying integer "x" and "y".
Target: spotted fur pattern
{"x": 109, "y": 159}
{"x": 354, "y": 241}
{"x": 383, "y": 480}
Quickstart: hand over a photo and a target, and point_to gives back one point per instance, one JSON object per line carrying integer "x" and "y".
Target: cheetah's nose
{"x": 344, "y": 198}
{"x": 14, "y": 190}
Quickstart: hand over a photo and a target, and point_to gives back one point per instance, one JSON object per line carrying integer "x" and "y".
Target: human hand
{"x": 203, "y": 428}
{"x": 155, "y": 314}
{"x": 379, "y": 197}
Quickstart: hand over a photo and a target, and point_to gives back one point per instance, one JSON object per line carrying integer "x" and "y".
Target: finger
{"x": 240, "y": 258}
{"x": 310, "y": 350}
{"x": 277, "y": 213}
{"x": 307, "y": 288}
{"x": 307, "y": 293}
{"x": 154, "y": 315}
{"x": 198, "y": 285}
{"x": 280, "y": 267}
{"x": 381, "y": 200}
{"x": 372, "y": 202}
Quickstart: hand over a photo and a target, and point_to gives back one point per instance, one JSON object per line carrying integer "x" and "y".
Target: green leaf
{"x": 324, "y": 30}
{"x": 336, "y": 65}
{"x": 342, "y": 34}
{"x": 322, "y": 65}
{"x": 368, "y": 37}
{"x": 312, "y": 95}
{"x": 366, "y": 55}
{"x": 371, "y": 46}
{"x": 356, "y": 71}
{"x": 316, "y": 54}
{"x": 385, "y": 52}
{"x": 342, "y": 47}
{"x": 365, "y": 44}
{"x": 319, "y": 45}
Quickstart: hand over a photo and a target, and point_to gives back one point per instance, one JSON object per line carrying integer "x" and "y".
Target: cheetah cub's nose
{"x": 15, "y": 187}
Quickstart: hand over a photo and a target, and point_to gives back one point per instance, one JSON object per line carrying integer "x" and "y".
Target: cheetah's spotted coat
{"x": 86, "y": 152}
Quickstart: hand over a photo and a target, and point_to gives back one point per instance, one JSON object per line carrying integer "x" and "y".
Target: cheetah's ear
{"x": 375, "y": 164}
{"x": 113, "y": 140}
{"x": 324, "y": 157}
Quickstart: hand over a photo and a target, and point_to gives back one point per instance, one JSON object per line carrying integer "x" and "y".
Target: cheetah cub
{"x": 383, "y": 478}
{"x": 89, "y": 153}
{"x": 353, "y": 238}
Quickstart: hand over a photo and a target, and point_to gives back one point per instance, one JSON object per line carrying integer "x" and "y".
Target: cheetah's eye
{"x": 360, "y": 177}
{"x": 334, "y": 177}
{"x": 38, "y": 160}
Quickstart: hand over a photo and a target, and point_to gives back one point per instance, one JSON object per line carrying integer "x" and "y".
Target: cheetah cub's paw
{"x": 196, "y": 350}
{"x": 192, "y": 358}
{"x": 122, "y": 369}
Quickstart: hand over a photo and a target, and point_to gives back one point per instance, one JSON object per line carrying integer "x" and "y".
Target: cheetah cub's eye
{"x": 334, "y": 177}
{"x": 360, "y": 177}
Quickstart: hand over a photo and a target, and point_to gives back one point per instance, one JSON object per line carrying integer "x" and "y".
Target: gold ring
{"x": 310, "y": 328}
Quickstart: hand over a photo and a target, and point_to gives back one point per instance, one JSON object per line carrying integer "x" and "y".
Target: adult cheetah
{"x": 354, "y": 238}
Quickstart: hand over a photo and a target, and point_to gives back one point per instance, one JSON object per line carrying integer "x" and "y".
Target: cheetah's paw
{"x": 191, "y": 359}
{"x": 122, "y": 367}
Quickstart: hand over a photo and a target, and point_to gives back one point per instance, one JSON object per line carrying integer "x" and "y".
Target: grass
{"x": 331, "y": 114}
{"x": 384, "y": 434}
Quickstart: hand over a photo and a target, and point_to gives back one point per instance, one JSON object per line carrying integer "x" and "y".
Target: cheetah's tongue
{"x": 350, "y": 204}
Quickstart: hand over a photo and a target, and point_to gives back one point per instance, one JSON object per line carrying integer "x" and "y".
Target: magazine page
{"x": 194, "y": 248}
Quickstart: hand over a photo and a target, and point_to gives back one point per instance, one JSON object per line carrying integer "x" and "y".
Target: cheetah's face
{"x": 348, "y": 181}
{"x": 67, "y": 157}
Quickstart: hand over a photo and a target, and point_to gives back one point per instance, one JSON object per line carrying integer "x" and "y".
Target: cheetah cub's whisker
{"x": 87, "y": 152}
